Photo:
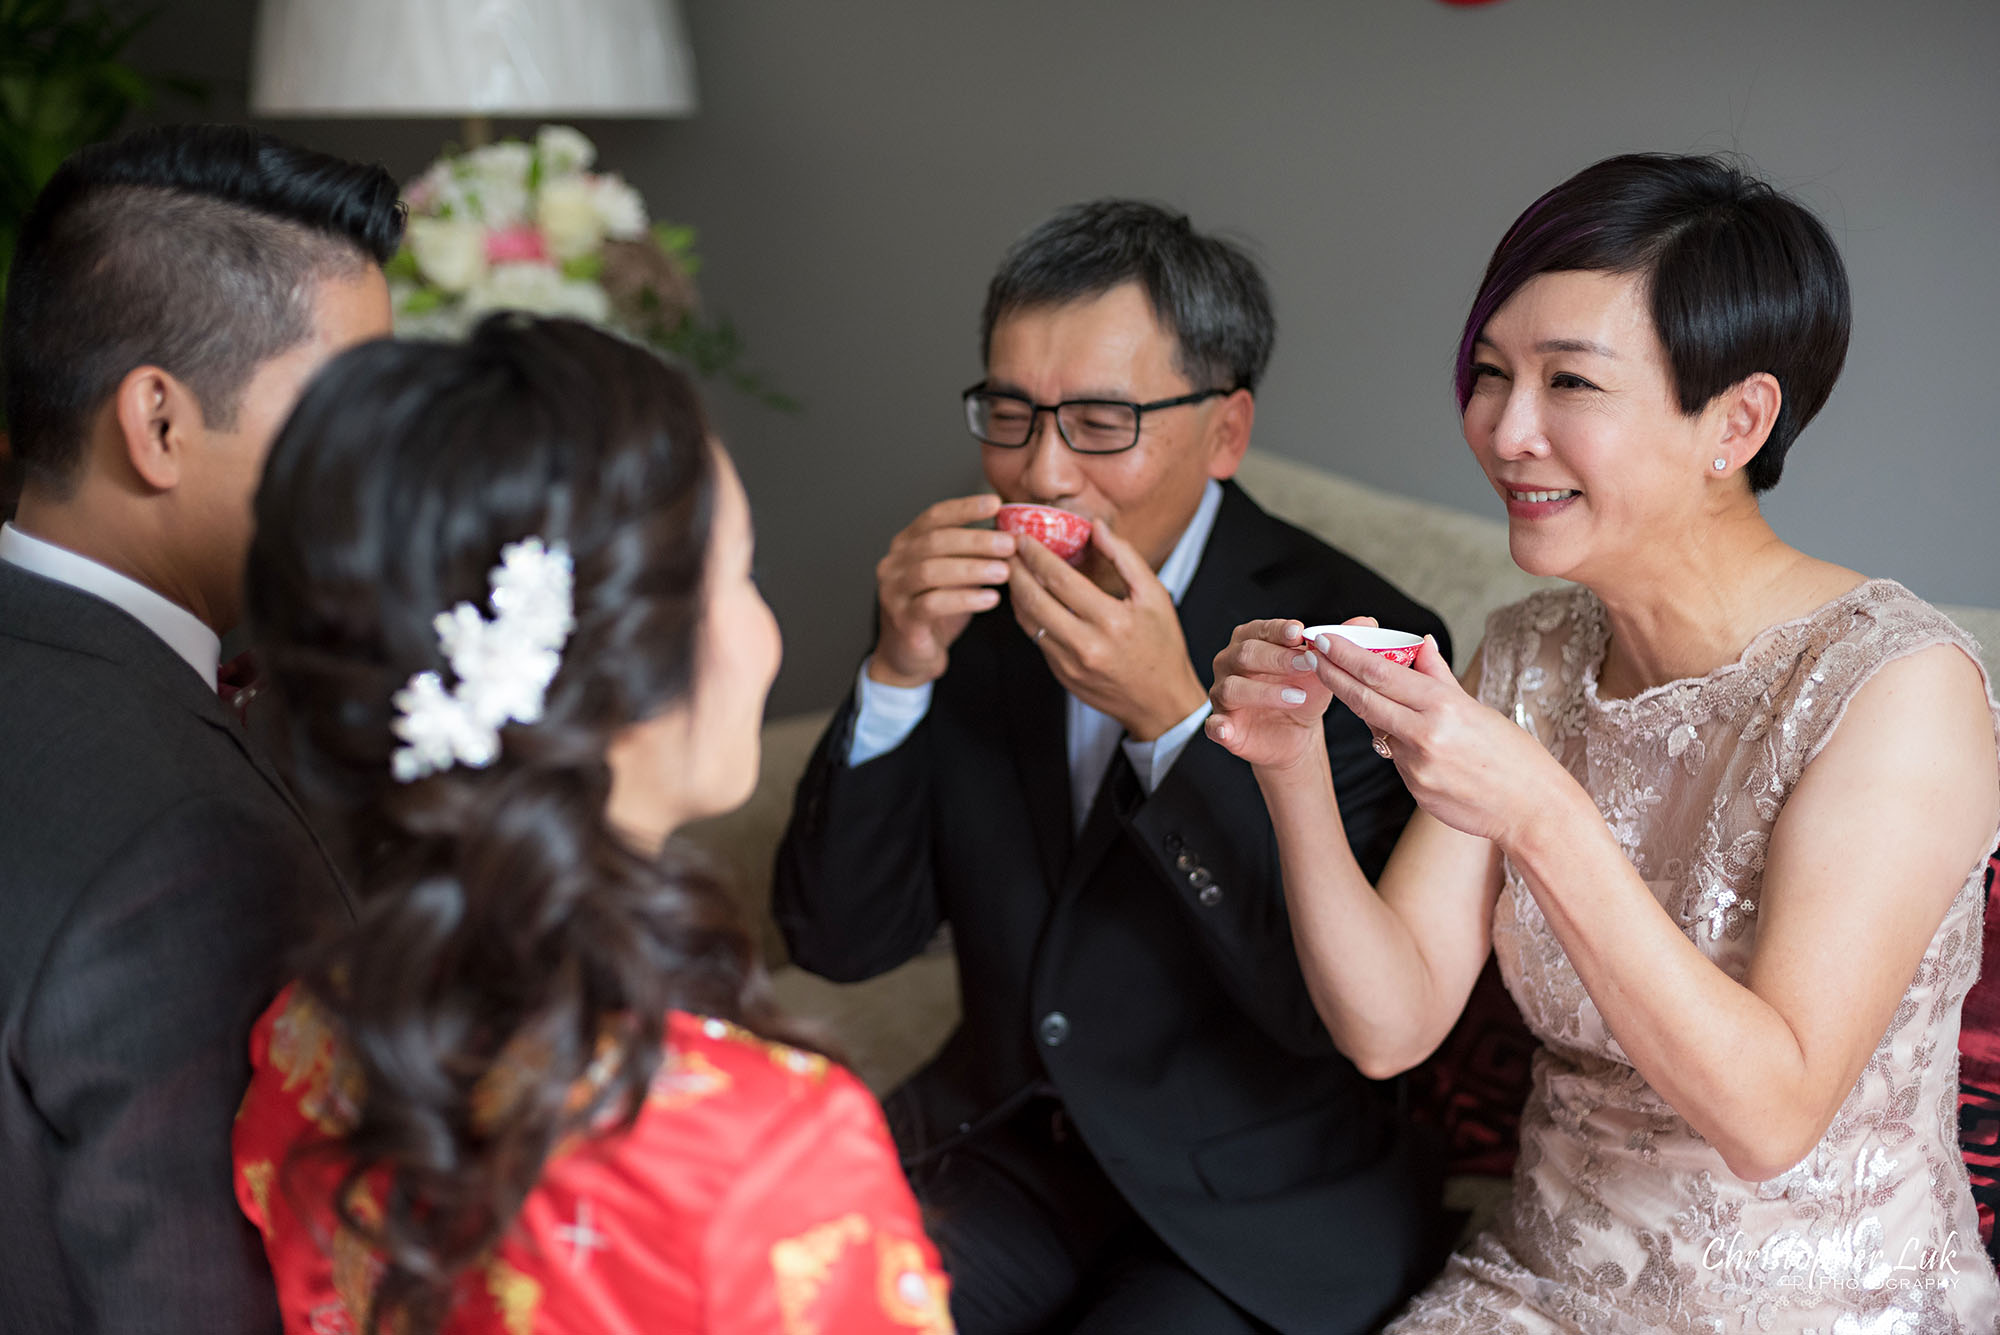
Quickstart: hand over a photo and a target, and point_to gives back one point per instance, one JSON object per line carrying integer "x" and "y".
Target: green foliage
{"x": 63, "y": 84}
{"x": 715, "y": 350}
{"x": 711, "y": 348}
{"x": 677, "y": 239}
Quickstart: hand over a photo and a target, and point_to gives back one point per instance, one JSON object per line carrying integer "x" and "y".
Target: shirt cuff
{"x": 884, "y": 716}
{"x": 1151, "y": 760}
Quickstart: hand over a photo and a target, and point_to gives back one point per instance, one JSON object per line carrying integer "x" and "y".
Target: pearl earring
{"x": 1720, "y": 464}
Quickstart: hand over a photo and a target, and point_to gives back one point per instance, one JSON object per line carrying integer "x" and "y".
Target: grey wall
{"x": 857, "y": 168}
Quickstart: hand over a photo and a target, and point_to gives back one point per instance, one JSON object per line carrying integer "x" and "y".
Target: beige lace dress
{"x": 1622, "y": 1218}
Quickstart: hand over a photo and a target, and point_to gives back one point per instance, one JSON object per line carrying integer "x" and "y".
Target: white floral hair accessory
{"x": 503, "y": 665}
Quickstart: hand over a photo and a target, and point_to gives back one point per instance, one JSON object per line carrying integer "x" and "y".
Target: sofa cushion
{"x": 884, "y": 1028}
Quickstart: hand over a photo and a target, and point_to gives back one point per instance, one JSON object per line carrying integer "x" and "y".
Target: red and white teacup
{"x": 1398, "y": 646}
{"x": 1060, "y": 531}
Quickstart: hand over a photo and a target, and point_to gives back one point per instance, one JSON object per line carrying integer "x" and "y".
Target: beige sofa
{"x": 1453, "y": 561}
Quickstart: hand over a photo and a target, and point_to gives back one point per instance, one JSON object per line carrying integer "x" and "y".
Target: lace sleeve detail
{"x": 1887, "y": 624}
{"x": 1531, "y": 657}
{"x": 1499, "y": 657}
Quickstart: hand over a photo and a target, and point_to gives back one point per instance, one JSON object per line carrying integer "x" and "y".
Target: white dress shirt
{"x": 184, "y": 632}
{"x": 885, "y": 715}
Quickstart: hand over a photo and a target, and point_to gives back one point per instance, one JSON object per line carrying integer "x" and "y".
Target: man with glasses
{"x": 1140, "y": 1122}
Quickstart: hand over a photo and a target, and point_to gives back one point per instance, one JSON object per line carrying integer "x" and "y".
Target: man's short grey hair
{"x": 1205, "y": 291}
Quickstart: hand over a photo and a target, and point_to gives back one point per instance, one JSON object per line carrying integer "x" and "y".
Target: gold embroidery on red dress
{"x": 785, "y": 1057}
{"x": 515, "y": 1295}
{"x": 684, "y": 1079}
{"x": 257, "y": 1176}
{"x": 329, "y": 1318}
{"x": 801, "y": 1265}
{"x": 356, "y": 1267}
{"x": 306, "y": 1051}
{"x": 911, "y": 1293}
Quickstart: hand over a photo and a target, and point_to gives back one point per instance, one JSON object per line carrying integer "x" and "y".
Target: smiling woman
{"x": 1720, "y": 811}
{"x": 1744, "y": 281}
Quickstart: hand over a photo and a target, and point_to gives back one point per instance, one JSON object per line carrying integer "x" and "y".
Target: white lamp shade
{"x": 471, "y": 58}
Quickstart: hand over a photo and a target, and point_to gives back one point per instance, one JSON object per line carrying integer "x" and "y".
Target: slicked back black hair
{"x": 194, "y": 248}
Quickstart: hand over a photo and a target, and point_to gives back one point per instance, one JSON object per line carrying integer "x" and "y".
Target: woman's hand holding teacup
{"x": 1268, "y": 699}
{"x": 1466, "y": 764}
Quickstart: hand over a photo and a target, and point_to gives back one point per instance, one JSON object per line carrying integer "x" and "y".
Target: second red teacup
{"x": 1060, "y": 531}
{"x": 1398, "y": 646}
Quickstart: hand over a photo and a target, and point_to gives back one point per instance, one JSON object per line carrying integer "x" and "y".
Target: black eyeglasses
{"x": 1088, "y": 426}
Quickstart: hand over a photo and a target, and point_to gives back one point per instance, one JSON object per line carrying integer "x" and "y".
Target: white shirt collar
{"x": 184, "y": 632}
{"x": 1177, "y": 572}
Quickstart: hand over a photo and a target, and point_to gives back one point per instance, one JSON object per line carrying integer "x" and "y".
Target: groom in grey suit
{"x": 171, "y": 294}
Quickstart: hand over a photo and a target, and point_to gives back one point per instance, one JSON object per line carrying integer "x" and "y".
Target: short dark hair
{"x": 1205, "y": 291}
{"x": 1742, "y": 279}
{"x": 194, "y": 248}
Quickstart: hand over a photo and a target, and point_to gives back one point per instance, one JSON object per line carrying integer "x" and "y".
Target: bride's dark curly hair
{"x": 498, "y": 913}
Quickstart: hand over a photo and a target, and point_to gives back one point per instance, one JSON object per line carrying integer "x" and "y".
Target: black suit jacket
{"x": 1145, "y": 967}
{"x": 154, "y": 873}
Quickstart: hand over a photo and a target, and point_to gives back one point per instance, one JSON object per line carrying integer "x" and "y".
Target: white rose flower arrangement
{"x": 530, "y": 227}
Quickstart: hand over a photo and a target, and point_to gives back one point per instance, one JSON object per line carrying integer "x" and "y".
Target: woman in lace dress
{"x": 1720, "y": 808}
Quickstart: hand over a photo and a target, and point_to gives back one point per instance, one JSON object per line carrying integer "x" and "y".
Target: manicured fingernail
{"x": 1325, "y": 643}
{"x": 988, "y": 597}
{"x": 1292, "y": 695}
{"x": 996, "y": 572}
{"x": 1303, "y": 662}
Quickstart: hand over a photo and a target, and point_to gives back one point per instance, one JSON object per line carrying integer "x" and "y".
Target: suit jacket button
{"x": 1210, "y": 896}
{"x": 1054, "y": 1029}
{"x": 1200, "y": 878}
{"x": 1186, "y": 862}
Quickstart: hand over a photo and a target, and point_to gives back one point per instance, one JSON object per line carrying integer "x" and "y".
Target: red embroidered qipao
{"x": 758, "y": 1192}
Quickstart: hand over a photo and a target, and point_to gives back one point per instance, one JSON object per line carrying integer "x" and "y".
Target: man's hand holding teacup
{"x": 937, "y": 575}
{"x": 1126, "y": 655}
